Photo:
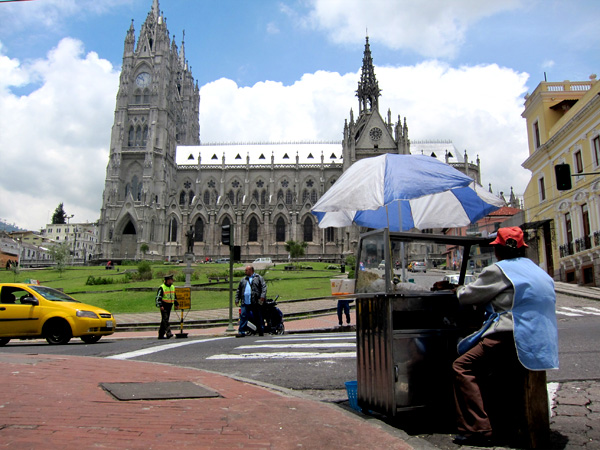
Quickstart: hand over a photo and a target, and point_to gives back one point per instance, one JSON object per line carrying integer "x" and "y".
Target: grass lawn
{"x": 120, "y": 297}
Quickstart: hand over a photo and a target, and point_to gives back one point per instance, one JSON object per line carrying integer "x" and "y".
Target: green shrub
{"x": 144, "y": 271}
{"x": 94, "y": 281}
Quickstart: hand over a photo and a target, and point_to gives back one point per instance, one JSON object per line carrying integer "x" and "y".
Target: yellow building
{"x": 563, "y": 126}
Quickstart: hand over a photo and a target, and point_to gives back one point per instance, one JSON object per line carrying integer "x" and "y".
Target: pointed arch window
{"x": 138, "y": 97}
{"x": 305, "y": 195}
{"x": 190, "y": 197}
{"x": 288, "y": 197}
{"x": 138, "y": 136}
{"x": 280, "y": 194}
{"x": 172, "y": 232}
{"x": 280, "y": 230}
{"x": 152, "y": 228}
{"x": 330, "y": 234}
{"x": 145, "y": 135}
{"x": 131, "y": 137}
{"x": 207, "y": 197}
{"x": 146, "y": 96}
{"x": 263, "y": 197}
{"x": 231, "y": 196}
{"x": 308, "y": 230}
{"x": 238, "y": 197}
{"x": 136, "y": 189}
{"x": 182, "y": 198}
{"x": 313, "y": 196}
{"x": 253, "y": 230}
{"x": 199, "y": 230}
{"x": 255, "y": 195}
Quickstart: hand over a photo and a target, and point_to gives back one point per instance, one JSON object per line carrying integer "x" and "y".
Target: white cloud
{"x": 478, "y": 108}
{"x": 435, "y": 28}
{"x": 49, "y": 14}
{"x": 54, "y": 141}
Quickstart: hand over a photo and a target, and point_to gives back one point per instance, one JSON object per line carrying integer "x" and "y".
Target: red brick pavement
{"x": 57, "y": 402}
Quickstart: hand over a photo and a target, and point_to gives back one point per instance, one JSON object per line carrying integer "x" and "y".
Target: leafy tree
{"x": 295, "y": 249}
{"x": 59, "y": 217}
{"x": 60, "y": 254}
{"x": 144, "y": 248}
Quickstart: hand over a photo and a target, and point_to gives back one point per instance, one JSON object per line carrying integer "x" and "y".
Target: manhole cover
{"x": 168, "y": 390}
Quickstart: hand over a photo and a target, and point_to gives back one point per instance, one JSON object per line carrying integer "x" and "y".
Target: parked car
{"x": 222, "y": 261}
{"x": 262, "y": 260}
{"x": 419, "y": 266}
{"x": 30, "y": 311}
{"x": 452, "y": 278}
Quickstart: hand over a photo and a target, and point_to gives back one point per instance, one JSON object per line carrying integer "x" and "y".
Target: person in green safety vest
{"x": 165, "y": 298}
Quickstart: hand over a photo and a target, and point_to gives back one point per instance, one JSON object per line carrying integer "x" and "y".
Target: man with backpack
{"x": 251, "y": 294}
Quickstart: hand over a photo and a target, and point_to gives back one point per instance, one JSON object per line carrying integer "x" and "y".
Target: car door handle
{"x": 2, "y": 308}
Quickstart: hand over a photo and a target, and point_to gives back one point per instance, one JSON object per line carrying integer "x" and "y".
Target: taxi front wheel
{"x": 57, "y": 332}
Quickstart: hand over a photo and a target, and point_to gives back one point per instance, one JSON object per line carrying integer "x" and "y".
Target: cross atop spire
{"x": 368, "y": 91}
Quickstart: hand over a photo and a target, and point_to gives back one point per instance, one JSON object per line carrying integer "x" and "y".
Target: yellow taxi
{"x": 29, "y": 311}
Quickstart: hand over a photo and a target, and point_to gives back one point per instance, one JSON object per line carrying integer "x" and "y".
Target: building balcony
{"x": 580, "y": 245}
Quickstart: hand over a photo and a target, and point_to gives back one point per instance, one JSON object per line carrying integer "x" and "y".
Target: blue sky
{"x": 278, "y": 70}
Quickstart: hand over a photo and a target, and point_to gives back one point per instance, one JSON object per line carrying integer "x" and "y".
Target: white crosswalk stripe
{"x": 325, "y": 346}
{"x": 578, "y": 312}
{"x": 286, "y": 355}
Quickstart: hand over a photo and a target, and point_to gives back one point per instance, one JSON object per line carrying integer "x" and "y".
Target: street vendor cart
{"x": 407, "y": 336}
{"x": 406, "y": 333}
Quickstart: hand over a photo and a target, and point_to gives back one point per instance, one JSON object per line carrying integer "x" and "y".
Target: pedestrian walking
{"x": 165, "y": 298}
{"x": 250, "y": 295}
{"x": 343, "y": 308}
{"x": 521, "y": 332}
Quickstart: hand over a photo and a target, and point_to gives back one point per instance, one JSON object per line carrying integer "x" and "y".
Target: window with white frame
{"x": 596, "y": 150}
{"x": 542, "y": 188}
{"x": 578, "y": 162}
{"x": 536, "y": 134}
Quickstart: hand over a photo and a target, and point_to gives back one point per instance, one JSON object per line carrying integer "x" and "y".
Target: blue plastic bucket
{"x": 352, "y": 390}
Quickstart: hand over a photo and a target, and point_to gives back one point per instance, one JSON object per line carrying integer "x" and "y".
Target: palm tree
{"x": 295, "y": 249}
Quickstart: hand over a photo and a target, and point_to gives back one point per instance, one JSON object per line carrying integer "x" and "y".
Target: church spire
{"x": 155, "y": 9}
{"x": 368, "y": 91}
{"x": 182, "y": 52}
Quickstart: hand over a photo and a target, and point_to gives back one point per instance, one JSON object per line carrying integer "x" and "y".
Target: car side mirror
{"x": 29, "y": 300}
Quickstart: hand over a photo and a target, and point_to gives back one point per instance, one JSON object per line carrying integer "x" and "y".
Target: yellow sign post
{"x": 184, "y": 301}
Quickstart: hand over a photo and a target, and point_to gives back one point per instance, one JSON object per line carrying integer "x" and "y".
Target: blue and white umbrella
{"x": 419, "y": 191}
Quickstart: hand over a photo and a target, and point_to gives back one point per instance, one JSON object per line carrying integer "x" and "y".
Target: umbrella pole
{"x": 403, "y": 277}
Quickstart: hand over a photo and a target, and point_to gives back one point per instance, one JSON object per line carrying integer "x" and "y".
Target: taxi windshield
{"x": 53, "y": 294}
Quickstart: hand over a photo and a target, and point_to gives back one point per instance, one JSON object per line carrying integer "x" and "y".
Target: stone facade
{"x": 161, "y": 184}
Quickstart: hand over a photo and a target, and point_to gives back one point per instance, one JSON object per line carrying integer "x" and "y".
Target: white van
{"x": 262, "y": 260}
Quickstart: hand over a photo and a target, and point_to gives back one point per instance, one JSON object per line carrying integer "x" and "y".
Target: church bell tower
{"x": 157, "y": 108}
{"x": 371, "y": 135}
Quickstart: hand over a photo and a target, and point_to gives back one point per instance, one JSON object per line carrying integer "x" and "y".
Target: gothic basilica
{"x": 162, "y": 184}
